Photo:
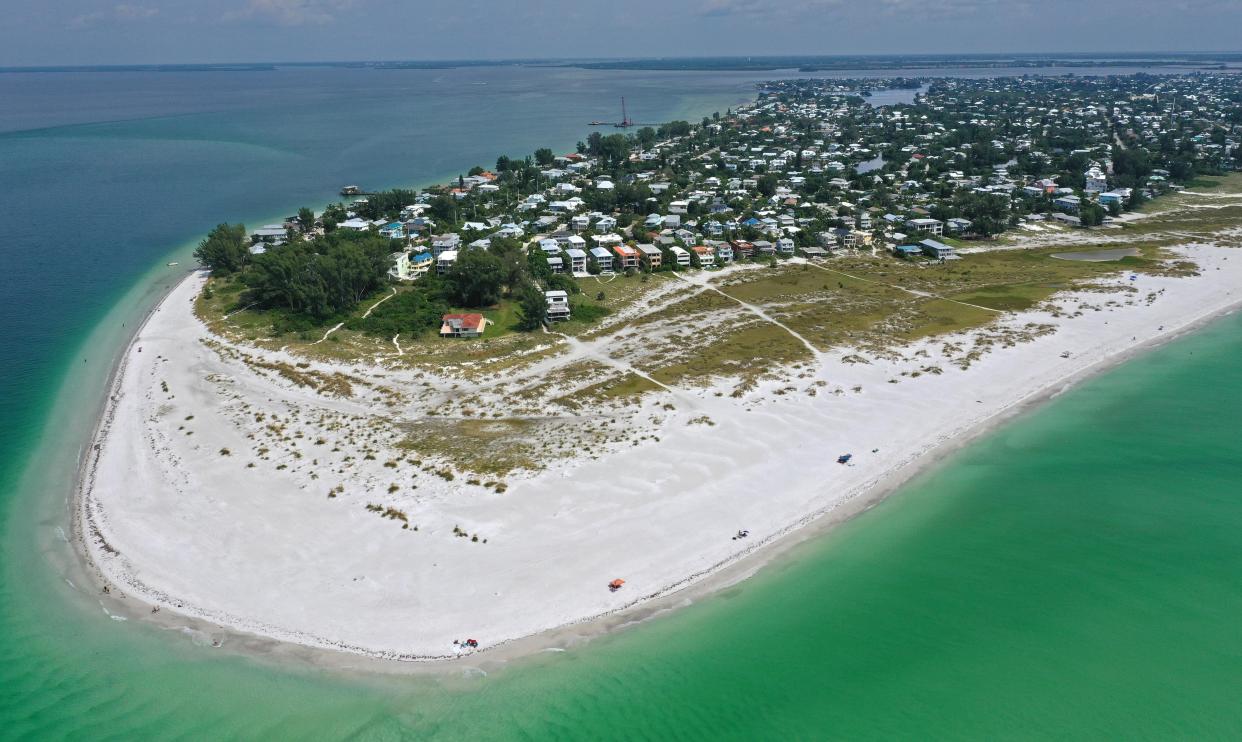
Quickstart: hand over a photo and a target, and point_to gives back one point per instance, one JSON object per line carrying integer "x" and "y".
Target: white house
{"x": 443, "y": 242}
{"x": 558, "y": 305}
{"x": 445, "y": 261}
{"x": 577, "y": 260}
{"x": 1096, "y": 180}
{"x": 356, "y": 224}
{"x": 603, "y": 258}
{"x": 931, "y": 226}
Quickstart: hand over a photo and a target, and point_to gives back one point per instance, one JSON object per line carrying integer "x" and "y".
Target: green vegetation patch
{"x": 485, "y": 447}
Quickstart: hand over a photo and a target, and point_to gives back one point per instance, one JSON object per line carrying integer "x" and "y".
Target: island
{"x": 427, "y": 423}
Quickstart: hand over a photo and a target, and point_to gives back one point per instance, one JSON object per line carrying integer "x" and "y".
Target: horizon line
{"x": 571, "y": 61}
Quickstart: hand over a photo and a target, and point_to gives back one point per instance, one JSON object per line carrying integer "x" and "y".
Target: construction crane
{"x": 625, "y": 122}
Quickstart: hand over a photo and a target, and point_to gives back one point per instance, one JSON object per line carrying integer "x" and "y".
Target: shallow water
{"x": 1077, "y": 574}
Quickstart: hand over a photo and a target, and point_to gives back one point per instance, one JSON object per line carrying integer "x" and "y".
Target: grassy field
{"x": 501, "y": 346}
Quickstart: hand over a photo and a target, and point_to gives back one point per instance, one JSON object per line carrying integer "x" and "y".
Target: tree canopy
{"x": 475, "y": 279}
{"x": 224, "y": 249}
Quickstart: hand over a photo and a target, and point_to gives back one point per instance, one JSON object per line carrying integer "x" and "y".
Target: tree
{"x": 646, "y": 137}
{"x": 1091, "y": 214}
{"x": 767, "y": 185}
{"x": 674, "y": 129}
{"x": 614, "y": 148}
{"x": 514, "y": 268}
{"x": 562, "y": 282}
{"x": 306, "y": 219}
{"x": 537, "y": 263}
{"x": 544, "y": 157}
{"x": 224, "y": 249}
{"x": 407, "y": 312}
{"x": 532, "y": 308}
{"x": 475, "y": 279}
{"x": 321, "y": 279}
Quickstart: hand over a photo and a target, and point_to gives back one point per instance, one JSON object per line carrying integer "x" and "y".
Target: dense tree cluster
{"x": 318, "y": 279}
{"x": 224, "y": 250}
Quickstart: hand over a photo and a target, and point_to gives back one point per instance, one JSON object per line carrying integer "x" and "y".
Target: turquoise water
{"x": 1078, "y": 574}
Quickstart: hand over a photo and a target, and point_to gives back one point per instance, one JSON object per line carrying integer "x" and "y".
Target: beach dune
{"x": 179, "y": 508}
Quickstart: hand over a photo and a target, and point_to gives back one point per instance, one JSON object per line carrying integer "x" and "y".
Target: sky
{"x": 99, "y": 32}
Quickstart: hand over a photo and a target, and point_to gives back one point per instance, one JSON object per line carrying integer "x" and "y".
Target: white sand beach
{"x": 182, "y": 509}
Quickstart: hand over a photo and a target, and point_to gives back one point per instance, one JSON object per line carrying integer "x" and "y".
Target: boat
{"x": 615, "y": 585}
{"x": 172, "y": 264}
{"x": 351, "y": 190}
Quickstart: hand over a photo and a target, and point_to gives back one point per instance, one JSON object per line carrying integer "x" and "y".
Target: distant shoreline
{"x": 768, "y": 63}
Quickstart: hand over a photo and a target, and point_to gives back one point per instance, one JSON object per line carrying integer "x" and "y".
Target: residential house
{"x": 463, "y": 325}
{"x": 930, "y": 226}
{"x": 785, "y": 246}
{"x": 957, "y": 224}
{"x": 654, "y": 257}
{"x": 421, "y": 263}
{"x": 1096, "y": 180}
{"x": 936, "y": 249}
{"x": 707, "y": 258}
{"x": 1069, "y": 204}
{"x": 393, "y": 231}
{"x": 441, "y": 243}
{"x": 680, "y": 256}
{"x": 445, "y": 261}
{"x": 577, "y": 260}
{"x": 603, "y": 258}
{"x": 558, "y": 305}
{"x": 1119, "y": 196}
{"x": 355, "y": 224}
{"x": 400, "y": 269}
{"x": 627, "y": 257}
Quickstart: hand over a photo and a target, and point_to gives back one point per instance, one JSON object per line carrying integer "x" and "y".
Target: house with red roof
{"x": 463, "y": 325}
{"x": 627, "y": 257}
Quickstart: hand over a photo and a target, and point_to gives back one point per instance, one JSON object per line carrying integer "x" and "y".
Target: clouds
{"x": 763, "y": 8}
{"x": 116, "y": 14}
{"x": 291, "y": 12}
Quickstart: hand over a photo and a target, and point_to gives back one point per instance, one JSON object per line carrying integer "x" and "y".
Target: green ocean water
{"x": 1078, "y": 574}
